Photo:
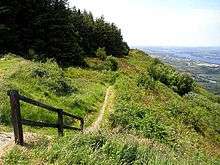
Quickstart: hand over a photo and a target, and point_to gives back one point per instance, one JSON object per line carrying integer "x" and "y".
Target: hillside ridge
{"x": 141, "y": 108}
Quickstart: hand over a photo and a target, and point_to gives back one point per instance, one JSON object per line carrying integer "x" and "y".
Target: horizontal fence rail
{"x": 17, "y": 120}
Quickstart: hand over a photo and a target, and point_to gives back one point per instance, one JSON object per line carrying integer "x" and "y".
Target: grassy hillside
{"x": 152, "y": 121}
{"x": 75, "y": 90}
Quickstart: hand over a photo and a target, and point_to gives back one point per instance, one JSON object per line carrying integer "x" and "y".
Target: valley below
{"x": 202, "y": 63}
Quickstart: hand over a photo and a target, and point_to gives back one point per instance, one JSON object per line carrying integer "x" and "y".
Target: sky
{"x": 161, "y": 22}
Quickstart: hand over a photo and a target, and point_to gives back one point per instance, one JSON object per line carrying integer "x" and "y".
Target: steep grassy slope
{"x": 155, "y": 111}
{"x": 150, "y": 123}
{"x": 78, "y": 91}
{"x": 101, "y": 149}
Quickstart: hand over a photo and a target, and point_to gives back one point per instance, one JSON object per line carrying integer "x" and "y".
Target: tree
{"x": 101, "y": 54}
{"x": 57, "y": 35}
{"x": 110, "y": 37}
{"x": 7, "y": 31}
{"x": 44, "y": 29}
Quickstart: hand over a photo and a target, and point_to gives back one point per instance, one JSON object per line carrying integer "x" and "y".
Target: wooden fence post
{"x": 16, "y": 116}
{"x": 60, "y": 122}
{"x": 17, "y": 121}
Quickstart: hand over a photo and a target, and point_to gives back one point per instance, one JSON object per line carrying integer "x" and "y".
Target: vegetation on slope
{"x": 78, "y": 91}
{"x": 151, "y": 122}
{"x": 159, "y": 112}
{"x": 107, "y": 149}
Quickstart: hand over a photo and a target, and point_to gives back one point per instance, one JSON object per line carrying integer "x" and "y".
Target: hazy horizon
{"x": 188, "y": 23}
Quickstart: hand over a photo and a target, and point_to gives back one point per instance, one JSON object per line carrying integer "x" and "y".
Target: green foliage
{"x": 16, "y": 157}
{"x": 139, "y": 119}
{"x": 111, "y": 63}
{"x": 184, "y": 123}
{"x": 50, "y": 29}
{"x": 40, "y": 30}
{"x": 149, "y": 123}
{"x": 109, "y": 36}
{"x": 128, "y": 154}
{"x": 183, "y": 84}
{"x": 101, "y": 149}
{"x": 146, "y": 81}
{"x": 156, "y": 61}
{"x": 180, "y": 83}
{"x": 101, "y": 54}
{"x": 56, "y": 82}
{"x": 75, "y": 90}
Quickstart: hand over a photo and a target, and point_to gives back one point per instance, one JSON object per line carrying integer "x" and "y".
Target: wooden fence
{"x": 17, "y": 120}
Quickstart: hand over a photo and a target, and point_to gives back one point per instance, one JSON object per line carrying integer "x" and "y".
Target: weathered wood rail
{"x": 17, "y": 120}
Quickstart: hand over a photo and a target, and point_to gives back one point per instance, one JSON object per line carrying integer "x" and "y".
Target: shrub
{"x": 98, "y": 141}
{"x": 111, "y": 63}
{"x": 50, "y": 75}
{"x": 180, "y": 83}
{"x": 156, "y": 61}
{"x": 184, "y": 84}
{"x": 101, "y": 54}
{"x": 61, "y": 87}
{"x": 141, "y": 120}
{"x": 39, "y": 72}
{"x": 128, "y": 154}
{"x": 145, "y": 81}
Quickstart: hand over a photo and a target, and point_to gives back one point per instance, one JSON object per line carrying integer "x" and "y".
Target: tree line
{"x": 42, "y": 29}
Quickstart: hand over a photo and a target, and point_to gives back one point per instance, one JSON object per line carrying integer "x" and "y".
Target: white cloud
{"x": 142, "y": 25}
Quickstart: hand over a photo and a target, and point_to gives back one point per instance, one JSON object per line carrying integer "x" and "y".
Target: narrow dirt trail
{"x": 106, "y": 106}
{"x": 7, "y": 141}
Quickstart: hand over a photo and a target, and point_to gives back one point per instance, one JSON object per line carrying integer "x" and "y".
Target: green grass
{"x": 78, "y": 91}
{"x": 100, "y": 149}
{"x": 155, "y": 111}
{"x": 150, "y": 123}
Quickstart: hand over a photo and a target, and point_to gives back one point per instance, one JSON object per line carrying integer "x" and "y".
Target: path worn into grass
{"x": 106, "y": 106}
{"x": 4, "y": 139}
{"x": 6, "y": 142}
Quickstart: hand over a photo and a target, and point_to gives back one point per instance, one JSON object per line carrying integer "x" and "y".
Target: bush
{"x": 126, "y": 49}
{"x": 141, "y": 120}
{"x": 180, "y": 83}
{"x": 50, "y": 75}
{"x": 184, "y": 84}
{"x": 146, "y": 82}
{"x": 39, "y": 73}
{"x": 111, "y": 63}
{"x": 156, "y": 61}
{"x": 101, "y": 54}
{"x": 128, "y": 154}
{"x": 61, "y": 87}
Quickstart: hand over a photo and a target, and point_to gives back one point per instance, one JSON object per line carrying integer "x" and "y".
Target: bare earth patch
{"x": 5, "y": 138}
{"x": 6, "y": 142}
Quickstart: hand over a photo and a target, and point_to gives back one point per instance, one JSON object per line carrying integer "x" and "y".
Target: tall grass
{"x": 149, "y": 107}
{"x": 150, "y": 122}
{"x": 75, "y": 90}
{"x": 103, "y": 149}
